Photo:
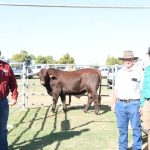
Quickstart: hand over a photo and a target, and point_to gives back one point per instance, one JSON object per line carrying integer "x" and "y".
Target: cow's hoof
{"x": 85, "y": 110}
{"x": 97, "y": 113}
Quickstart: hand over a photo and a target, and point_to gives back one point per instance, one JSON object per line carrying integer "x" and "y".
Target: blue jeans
{"x": 4, "y": 111}
{"x": 126, "y": 112}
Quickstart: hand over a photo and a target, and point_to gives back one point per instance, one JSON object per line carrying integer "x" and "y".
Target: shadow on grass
{"x": 26, "y": 129}
{"x": 103, "y": 108}
{"x": 39, "y": 142}
{"x": 65, "y": 124}
{"x": 20, "y": 121}
{"x": 145, "y": 139}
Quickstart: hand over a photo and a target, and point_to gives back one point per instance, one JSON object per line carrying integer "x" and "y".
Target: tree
{"x": 44, "y": 60}
{"x": 112, "y": 61}
{"x": 22, "y": 57}
{"x": 49, "y": 59}
{"x": 32, "y": 57}
{"x": 66, "y": 59}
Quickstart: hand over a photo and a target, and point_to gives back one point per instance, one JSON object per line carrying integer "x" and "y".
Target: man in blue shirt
{"x": 145, "y": 99}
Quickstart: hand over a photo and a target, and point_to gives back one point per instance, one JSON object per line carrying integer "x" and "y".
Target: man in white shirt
{"x": 126, "y": 101}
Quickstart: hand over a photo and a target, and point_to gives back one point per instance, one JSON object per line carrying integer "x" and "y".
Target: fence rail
{"x": 24, "y": 95}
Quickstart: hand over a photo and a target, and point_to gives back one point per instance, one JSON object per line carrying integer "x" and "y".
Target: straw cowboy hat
{"x": 128, "y": 54}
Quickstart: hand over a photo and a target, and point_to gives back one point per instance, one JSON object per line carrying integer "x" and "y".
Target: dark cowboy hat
{"x": 128, "y": 54}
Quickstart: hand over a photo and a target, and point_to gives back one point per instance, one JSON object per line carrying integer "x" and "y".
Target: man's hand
{"x": 12, "y": 102}
{"x": 113, "y": 108}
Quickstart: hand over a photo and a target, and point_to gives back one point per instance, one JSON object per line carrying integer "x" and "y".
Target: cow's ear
{"x": 52, "y": 76}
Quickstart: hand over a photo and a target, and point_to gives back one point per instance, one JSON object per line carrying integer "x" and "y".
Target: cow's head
{"x": 45, "y": 80}
{"x": 43, "y": 76}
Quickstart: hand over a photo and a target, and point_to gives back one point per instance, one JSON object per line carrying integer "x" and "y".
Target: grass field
{"x": 37, "y": 128}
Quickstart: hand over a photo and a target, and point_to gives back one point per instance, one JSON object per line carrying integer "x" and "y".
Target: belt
{"x": 128, "y": 100}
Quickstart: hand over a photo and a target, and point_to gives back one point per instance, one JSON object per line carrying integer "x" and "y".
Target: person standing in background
{"x": 126, "y": 101}
{"x": 7, "y": 84}
{"x": 145, "y": 99}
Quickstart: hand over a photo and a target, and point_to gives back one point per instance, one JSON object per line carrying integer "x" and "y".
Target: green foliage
{"x": 112, "y": 61}
{"x": 44, "y": 60}
{"x": 32, "y": 57}
{"x": 66, "y": 59}
{"x": 23, "y": 56}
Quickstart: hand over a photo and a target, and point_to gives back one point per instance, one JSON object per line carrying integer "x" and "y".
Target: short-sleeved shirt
{"x": 128, "y": 83}
{"x": 146, "y": 86}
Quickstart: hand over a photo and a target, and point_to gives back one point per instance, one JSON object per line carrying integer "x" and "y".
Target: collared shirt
{"x": 146, "y": 86}
{"x": 128, "y": 83}
{"x": 7, "y": 81}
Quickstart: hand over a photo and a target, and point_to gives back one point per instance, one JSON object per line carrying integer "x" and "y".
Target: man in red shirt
{"x": 7, "y": 83}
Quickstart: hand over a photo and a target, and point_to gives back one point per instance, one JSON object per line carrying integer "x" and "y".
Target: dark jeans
{"x": 4, "y": 111}
{"x": 126, "y": 112}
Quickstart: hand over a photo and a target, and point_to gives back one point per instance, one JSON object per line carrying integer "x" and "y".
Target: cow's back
{"x": 76, "y": 81}
{"x": 90, "y": 77}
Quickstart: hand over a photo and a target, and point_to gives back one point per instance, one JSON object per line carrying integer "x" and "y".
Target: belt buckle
{"x": 129, "y": 100}
{"x": 126, "y": 100}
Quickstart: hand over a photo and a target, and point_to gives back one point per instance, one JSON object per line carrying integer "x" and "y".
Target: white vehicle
{"x": 104, "y": 71}
{"x": 37, "y": 67}
{"x": 111, "y": 75}
{"x": 18, "y": 72}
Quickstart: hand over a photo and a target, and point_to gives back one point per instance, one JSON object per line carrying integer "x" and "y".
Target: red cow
{"x": 62, "y": 83}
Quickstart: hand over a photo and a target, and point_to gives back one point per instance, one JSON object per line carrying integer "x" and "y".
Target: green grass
{"x": 39, "y": 129}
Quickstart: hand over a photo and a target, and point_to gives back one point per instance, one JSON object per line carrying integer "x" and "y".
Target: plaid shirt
{"x": 7, "y": 81}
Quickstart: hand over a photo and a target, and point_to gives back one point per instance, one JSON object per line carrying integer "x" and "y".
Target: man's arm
{"x": 114, "y": 98}
{"x": 13, "y": 87}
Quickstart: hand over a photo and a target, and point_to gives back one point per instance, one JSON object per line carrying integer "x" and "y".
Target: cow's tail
{"x": 99, "y": 93}
{"x": 100, "y": 85}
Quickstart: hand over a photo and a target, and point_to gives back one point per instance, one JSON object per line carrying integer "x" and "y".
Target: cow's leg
{"x": 99, "y": 100}
{"x": 69, "y": 99}
{"x": 93, "y": 97}
{"x": 63, "y": 99}
{"x": 96, "y": 102}
{"x": 88, "y": 103}
{"x": 55, "y": 99}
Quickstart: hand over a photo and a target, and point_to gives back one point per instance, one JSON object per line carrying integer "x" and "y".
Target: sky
{"x": 89, "y": 35}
